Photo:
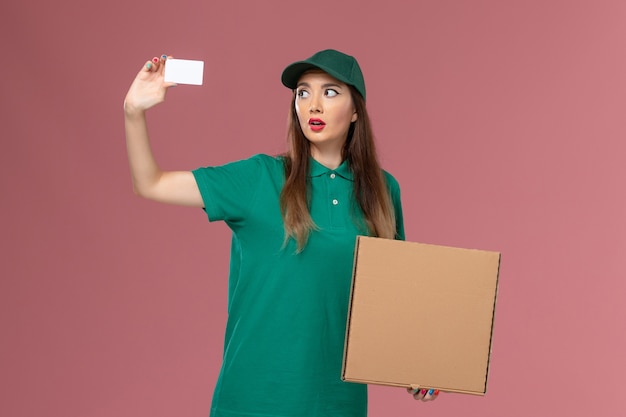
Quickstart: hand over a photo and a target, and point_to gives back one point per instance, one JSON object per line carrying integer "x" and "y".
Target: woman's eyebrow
{"x": 305, "y": 84}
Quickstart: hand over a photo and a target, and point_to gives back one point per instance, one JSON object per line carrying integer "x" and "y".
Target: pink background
{"x": 502, "y": 120}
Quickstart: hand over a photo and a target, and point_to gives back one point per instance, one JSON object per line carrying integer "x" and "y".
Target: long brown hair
{"x": 370, "y": 188}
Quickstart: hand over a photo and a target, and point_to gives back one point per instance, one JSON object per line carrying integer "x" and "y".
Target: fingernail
{"x": 155, "y": 60}
{"x": 164, "y": 56}
{"x": 424, "y": 391}
{"x": 430, "y": 391}
{"x": 436, "y": 392}
{"x": 149, "y": 65}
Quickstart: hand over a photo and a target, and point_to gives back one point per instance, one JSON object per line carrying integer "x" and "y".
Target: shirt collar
{"x": 316, "y": 169}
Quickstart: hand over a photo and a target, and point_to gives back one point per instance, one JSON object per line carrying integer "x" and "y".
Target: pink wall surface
{"x": 502, "y": 120}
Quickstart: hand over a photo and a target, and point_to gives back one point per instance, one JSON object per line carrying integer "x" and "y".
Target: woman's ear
{"x": 354, "y": 117}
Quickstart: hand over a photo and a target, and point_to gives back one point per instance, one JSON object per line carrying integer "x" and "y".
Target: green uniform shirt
{"x": 287, "y": 312}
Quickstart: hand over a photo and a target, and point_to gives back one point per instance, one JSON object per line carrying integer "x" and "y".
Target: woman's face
{"x": 325, "y": 110}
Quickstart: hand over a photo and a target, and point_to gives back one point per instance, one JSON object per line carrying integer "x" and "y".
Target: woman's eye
{"x": 331, "y": 93}
{"x": 303, "y": 93}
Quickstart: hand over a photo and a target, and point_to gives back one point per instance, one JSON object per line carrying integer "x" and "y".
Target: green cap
{"x": 343, "y": 67}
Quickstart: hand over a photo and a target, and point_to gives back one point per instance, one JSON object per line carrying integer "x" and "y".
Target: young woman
{"x": 294, "y": 220}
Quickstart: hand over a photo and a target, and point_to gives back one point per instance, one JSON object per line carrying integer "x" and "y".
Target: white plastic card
{"x": 184, "y": 71}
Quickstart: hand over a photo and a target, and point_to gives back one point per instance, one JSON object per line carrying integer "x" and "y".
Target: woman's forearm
{"x": 144, "y": 170}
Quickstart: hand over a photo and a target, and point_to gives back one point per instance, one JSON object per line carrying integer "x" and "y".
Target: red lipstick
{"x": 316, "y": 124}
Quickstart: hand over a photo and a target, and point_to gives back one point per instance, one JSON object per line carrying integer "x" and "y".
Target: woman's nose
{"x": 315, "y": 106}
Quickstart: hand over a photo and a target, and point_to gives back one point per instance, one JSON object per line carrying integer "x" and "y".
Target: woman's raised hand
{"x": 149, "y": 88}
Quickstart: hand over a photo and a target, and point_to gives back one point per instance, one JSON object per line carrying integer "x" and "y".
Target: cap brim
{"x": 293, "y": 72}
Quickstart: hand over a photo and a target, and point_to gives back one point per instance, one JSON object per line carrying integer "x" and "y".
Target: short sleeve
{"x": 394, "y": 191}
{"x": 228, "y": 190}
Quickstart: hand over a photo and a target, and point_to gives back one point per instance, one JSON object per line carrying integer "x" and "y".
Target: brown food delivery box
{"x": 420, "y": 315}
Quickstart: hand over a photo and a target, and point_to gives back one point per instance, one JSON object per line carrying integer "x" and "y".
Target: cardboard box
{"x": 420, "y": 315}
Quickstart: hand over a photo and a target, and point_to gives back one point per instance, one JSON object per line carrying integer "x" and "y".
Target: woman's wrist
{"x": 132, "y": 112}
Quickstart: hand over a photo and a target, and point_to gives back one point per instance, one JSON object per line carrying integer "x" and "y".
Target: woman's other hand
{"x": 423, "y": 394}
{"x": 149, "y": 88}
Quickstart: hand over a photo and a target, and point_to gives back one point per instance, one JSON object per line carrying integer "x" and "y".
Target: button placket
{"x": 334, "y": 200}
{"x": 338, "y": 200}
{"x": 332, "y": 187}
